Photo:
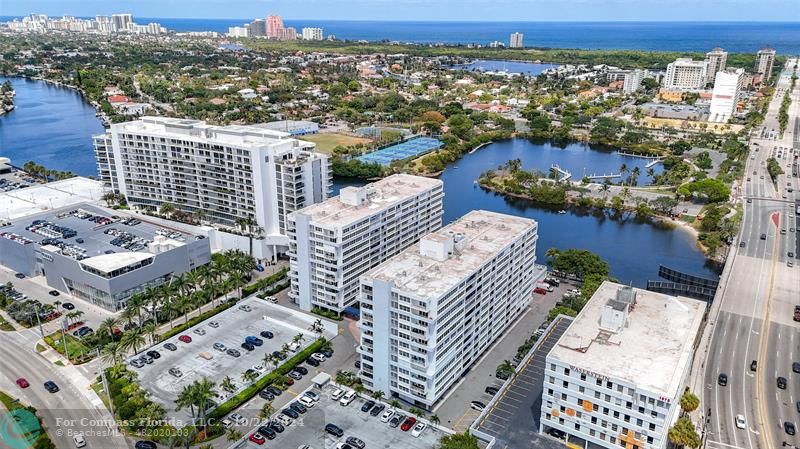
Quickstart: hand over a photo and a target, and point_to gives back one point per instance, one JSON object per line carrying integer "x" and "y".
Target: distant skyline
{"x": 426, "y": 10}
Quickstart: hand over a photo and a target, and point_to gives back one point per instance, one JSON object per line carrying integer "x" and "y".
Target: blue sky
{"x": 479, "y": 10}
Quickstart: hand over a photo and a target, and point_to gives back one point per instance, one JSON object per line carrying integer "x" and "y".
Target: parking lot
{"x": 199, "y": 359}
{"x": 512, "y": 417}
{"x": 309, "y": 428}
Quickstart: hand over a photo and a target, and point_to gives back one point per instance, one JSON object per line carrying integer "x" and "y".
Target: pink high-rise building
{"x": 274, "y": 27}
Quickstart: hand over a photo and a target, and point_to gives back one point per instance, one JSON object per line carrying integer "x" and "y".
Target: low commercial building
{"x": 615, "y": 377}
{"x": 728, "y": 86}
{"x": 429, "y": 313}
{"x": 336, "y": 241}
{"x": 99, "y": 255}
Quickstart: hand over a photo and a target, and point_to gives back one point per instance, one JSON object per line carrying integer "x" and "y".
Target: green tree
{"x": 683, "y": 433}
{"x": 689, "y": 401}
{"x": 458, "y": 441}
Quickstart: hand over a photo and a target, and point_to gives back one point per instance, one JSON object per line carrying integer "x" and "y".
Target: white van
{"x": 79, "y": 441}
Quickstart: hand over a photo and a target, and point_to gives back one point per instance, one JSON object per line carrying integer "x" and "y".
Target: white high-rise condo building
{"x": 334, "y": 242}
{"x": 727, "y": 90}
{"x": 239, "y": 31}
{"x": 686, "y": 74}
{"x": 222, "y": 174}
{"x": 516, "y": 40}
{"x": 717, "y": 60}
{"x": 312, "y": 34}
{"x": 633, "y": 80}
{"x": 765, "y": 59}
{"x": 616, "y": 375}
{"x": 429, "y": 313}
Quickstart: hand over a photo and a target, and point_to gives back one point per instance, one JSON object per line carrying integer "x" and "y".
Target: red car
{"x": 408, "y": 423}
{"x": 185, "y": 338}
{"x": 540, "y": 291}
{"x": 257, "y": 438}
{"x": 23, "y": 383}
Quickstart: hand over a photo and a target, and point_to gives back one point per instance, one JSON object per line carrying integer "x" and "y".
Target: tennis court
{"x": 403, "y": 150}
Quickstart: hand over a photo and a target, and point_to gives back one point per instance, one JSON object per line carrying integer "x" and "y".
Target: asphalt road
{"x": 755, "y": 319}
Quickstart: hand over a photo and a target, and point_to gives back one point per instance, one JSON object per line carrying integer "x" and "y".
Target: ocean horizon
{"x": 735, "y": 37}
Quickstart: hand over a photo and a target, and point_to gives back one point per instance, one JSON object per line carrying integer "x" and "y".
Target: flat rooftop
{"x": 44, "y": 197}
{"x": 485, "y": 235}
{"x": 105, "y": 244}
{"x": 387, "y": 192}
{"x": 242, "y": 135}
{"x": 652, "y": 351}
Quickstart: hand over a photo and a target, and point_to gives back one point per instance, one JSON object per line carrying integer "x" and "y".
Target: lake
{"x": 53, "y": 126}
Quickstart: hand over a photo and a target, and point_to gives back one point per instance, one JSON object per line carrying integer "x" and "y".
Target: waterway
{"x": 491, "y": 65}
{"x": 53, "y": 126}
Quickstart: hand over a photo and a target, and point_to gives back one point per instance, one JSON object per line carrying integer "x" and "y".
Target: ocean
{"x": 735, "y": 37}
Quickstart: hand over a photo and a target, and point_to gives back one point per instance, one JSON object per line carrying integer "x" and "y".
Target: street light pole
{"x": 105, "y": 382}
{"x": 39, "y": 321}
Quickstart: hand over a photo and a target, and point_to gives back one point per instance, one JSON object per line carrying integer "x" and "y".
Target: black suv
{"x": 334, "y": 430}
{"x": 248, "y": 346}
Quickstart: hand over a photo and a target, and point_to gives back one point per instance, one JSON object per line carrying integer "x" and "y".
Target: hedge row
{"x": 245, "y": 395}
{"x": 265, "y": 282}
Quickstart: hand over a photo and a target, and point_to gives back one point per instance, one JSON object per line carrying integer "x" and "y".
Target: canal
{"x": 53, "y": 126}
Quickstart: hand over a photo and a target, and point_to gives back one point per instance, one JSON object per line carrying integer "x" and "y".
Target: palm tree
{"x": 416, "y": 412}
{"x": 395, "y": 403}
{"x": 434, "y": 419}
{"x": 298, "y": 338}
{"x": 238, "y": 280}
{"x": 135, "y": 303}
{"x": 228, "y": 385}
{"x": 167, "y": 209}
{"x": 133, "y": 339}
{"x": 285, "y": 349}
{"x": 605, "y": 187}
{"x": 634, "y": 175}
{"x": 266, "y": 410}
{"x": 377, "y": 395}
{"x": 204, "y": 389}
{"x": 110, "y": 355}
{"x": 359, "y": 388}
{"x": 150, "y": 329}
{"x": 108, "y": 325}
{"x": 185, "y": 306}
{"x": 273, "y": 359}
{"x": 249, "y": 376}
{"x": 186, "y": 398}
{"x": 623, "y": 169}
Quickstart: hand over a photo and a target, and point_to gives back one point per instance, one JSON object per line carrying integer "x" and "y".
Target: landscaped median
{"x": 246, "y": 394}
{"x": 77, "y": 351}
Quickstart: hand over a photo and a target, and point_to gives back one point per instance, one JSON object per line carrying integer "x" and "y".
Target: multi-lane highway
{"x": 754, "y": 322}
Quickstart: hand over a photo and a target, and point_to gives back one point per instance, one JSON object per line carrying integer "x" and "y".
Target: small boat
{"x": 562, "y": 211}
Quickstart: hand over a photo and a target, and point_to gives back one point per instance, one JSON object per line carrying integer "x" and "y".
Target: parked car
{"x": 185, "y": 338}
{"x": 318, "y": 357}
{"x": 199, "y": 331}
{"x": 408, "y": 424}
{"x": 68, "y": 306}
{"x": 337, "y": 394}
{"x": 79, "y": 441}
{"x": 170, "y": 347}
{"x": 257, "y": 438}
{"x": 267, "y": 432}
{"x": 248, "y": 346}
{"x": 266, "y": 395}
{"x": 418, "y": 429}
{"x": 367, "y": 405}
{"x": 267, "y": 334}
{"x": 356, "y": 442}
{"x": 387, "y": 415}
{"x": 22, "y": 383}
{"x": 137, "y": 363}
{"x": 312, "y": 361}
{"x": 348, "y": 398}
{"x": 245, "y": 308}
{"x": 233, "y": 352}
{"x": 327, "y": 352}
{"x": 51, "y": 386}
{"x": 377, "y": 410}
{"x": 306, "y": 401}
{"x": 146, "y": 359}
{"x": 276, "y": 426}
{"x": 213, "y": 324}
{"x": 294, "y": 375}
{"x": 301, "y": 369}
{"x": 274, "y": 390}
{"x": 175, "y": 372}
{"x": 477, "y": 405}
{"x": 298, "y": 407}
{"x": 540, "y": 291}
{"x": 220, "y": 347}
{"x": 491, "y": 390}
{"x": 53, "y": 293}
{"x": 311, "y": 395}
{"x": 255, "y": 341}
{"x": 154, "y": 354}
{"x": 396, "y": 420}
{"x": 334, "y": 430}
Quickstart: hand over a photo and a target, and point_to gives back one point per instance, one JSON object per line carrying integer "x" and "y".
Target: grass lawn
{"x": 5, "y": 326}
{"x": 326, "y": 142}
{"x": 77, "y": 350}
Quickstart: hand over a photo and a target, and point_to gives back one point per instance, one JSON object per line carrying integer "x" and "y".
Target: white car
{"x": 79, "y": 441}
{"x": 740, "y": 423}
{"x": 272, "y": 299}
{"x": 348, "y": 398}
{"x": 258, "y": 368}
{"x": 200, "y": 331}
{"x": 418, "y": 429}
{"x": 387, "y": 415}
{"x": 318, "y": 357}
{"x": 246, "y": 308}
{"x": 337, "y": 394}
{"x": 237, "y": 418}
{"x": 226, "y": 423}
{"x": 213, "y": 324}
{"x": 307, "y": 401}
{"x": 284, "y": 419}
